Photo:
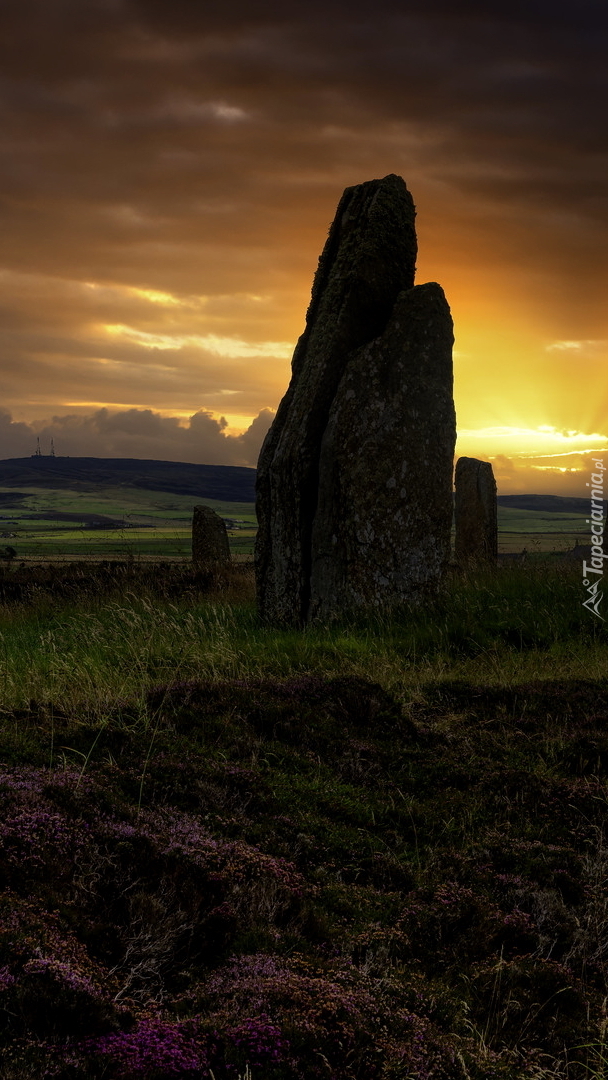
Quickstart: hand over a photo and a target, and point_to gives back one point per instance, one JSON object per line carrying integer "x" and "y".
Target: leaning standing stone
{"x": 475, "y": 511}
{"x": 368, "y": 259}
{"x": 354, "y": 479}
{"x": 210, "y": 546}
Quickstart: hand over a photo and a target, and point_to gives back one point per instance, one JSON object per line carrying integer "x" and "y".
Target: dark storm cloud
{"x": 159, "y": 104}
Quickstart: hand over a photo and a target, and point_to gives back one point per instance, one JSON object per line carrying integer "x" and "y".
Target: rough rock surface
{"x": 209, "y": 538}
{"x": 475, "y": 511}
{"x": 363, "y": 439}
{"x": 381, "y": 534}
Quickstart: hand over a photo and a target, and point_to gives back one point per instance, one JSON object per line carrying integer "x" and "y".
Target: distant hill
{"x": 545, "y": 503}
{"x": 228, "y": 483}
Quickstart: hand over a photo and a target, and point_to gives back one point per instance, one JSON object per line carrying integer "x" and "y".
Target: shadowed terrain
{"x": 365, "y": 851}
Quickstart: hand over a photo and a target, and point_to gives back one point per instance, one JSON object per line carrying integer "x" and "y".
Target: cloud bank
{"x": 136, "y": 433}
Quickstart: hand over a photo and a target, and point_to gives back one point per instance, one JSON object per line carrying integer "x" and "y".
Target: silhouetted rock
{"x": 354, "y": 478}
{"x": 475, "y": 511}
{"x": 381, "y": 533}
{"x": 209, "y": 538}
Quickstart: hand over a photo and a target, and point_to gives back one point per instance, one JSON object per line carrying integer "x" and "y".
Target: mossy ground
{"x": 372, "y": 850}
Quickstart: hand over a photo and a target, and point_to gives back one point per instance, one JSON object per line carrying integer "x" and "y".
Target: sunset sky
{"x": 169, "y": 172}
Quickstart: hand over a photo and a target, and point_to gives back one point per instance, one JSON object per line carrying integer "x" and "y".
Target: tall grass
{"x": 95, "y": 653}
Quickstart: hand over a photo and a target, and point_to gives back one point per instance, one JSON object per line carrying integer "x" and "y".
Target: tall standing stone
{"x": 354, "y": 478}
{"x": 210, "y": 547}
{"x": 381, "y": 533}
{"x": 475, "y": 511}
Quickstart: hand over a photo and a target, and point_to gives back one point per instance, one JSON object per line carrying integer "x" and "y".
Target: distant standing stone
{"x": 475, "y": 509}
{"x": 209, "y": 538}
{"x": 354, "y": 479}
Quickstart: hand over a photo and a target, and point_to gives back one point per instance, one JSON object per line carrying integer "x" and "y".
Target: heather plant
{"x": 364, "y": 852}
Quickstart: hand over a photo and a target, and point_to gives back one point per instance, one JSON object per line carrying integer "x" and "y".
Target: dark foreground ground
{"x": 307, "y": 874}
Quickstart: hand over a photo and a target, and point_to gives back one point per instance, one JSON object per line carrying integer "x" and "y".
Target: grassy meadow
{"x": 539, "y": 532}
{"x": 374, "y": 850}
{"x": 135, "y": 523}
{"x": 112, "y": 522}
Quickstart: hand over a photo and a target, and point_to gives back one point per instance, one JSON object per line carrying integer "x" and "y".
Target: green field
{"x": 540, "y": 531}
{"x": 150, "y": 523}
{"x": 156, "y": 523}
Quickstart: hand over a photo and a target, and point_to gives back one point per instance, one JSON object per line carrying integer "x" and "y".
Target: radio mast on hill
{"x": 39, "y": 451}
